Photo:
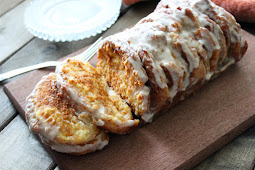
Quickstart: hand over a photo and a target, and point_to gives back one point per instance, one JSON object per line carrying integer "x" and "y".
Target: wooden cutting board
{"x": 179, "y": 138}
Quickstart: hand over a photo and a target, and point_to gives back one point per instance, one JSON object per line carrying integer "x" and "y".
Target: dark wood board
{"x": 178, "y": 139}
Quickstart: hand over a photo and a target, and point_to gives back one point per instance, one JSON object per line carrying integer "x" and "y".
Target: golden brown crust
{"x": 102, "y": 137}
{"x": 50, "y": 114}
{"x": 89, "y": 90}
{"x": 115, "y": 64}
{"x": 229, "y": 26}
{"x": 158, "y": 95}
{"x": 98, "y": 143}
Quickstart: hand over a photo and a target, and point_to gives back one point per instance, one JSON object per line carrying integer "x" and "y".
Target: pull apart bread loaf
{"x": 59, "y": 123}
{"x": 170, "y": 53}
{"x": 144, "y": 70}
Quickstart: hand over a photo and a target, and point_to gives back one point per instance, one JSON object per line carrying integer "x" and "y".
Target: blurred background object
{"x": 64, "y": 20}
{"x": 243, "y": 10}
{"x": 130, "y": 2}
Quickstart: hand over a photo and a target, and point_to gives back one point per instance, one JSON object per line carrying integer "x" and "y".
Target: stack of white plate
{"x": 70, "y": 20}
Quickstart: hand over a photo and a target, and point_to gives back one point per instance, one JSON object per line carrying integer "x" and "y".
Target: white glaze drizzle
{"x": 133, "y": 57}
{"x": 48, "y": 132}
{"x": 38, "y": 122}
{"x": 141, "y": 43}
{"x": 199, "y": 9}
{"x": 90, "y": 147}
{"x": 99, "y": 114}
{"x": 204, "y": 5}
{"x": 145, "y": 34}
{"x": 148, "y": 116}
{"x": 135, "y": 60}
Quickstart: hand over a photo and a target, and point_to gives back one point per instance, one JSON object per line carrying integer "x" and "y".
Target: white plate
{"x": 70, "y": 20}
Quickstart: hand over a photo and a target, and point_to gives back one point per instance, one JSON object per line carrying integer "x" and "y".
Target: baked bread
{"x": 236, "y": 46}
{"x": 181, "y": 45}
{"x": 144, "y": 70}
{"x": 59, "y": 123}
{"x": 124, "y": 69}
{"x": 89, "y": 91}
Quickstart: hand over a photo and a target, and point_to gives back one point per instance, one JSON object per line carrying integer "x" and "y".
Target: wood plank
{"x": 180, "y": 139}
{"x": 37, "y": 51}
{"x": 6, "y": 109}
{"x": 238, "y": 154}
{"x": 6, "y": 5}
{"x": 13, "y": 34}
{"x": 19, "y": 146}
{"x": 9, "y": 43}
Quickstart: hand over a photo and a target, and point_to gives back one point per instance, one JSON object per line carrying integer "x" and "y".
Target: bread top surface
{"x": 89, "y": 89}
{"x": 124, "y": 72}
{"x": 182, "y": 44}
{"x": 51, "y": 114}
{"x": 228, "y": 24}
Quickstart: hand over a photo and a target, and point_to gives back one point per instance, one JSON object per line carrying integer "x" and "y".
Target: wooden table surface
{"x": 19, "y": 148}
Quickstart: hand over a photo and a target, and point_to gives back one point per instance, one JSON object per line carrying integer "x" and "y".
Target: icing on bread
{"x": 59, "y": 123}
